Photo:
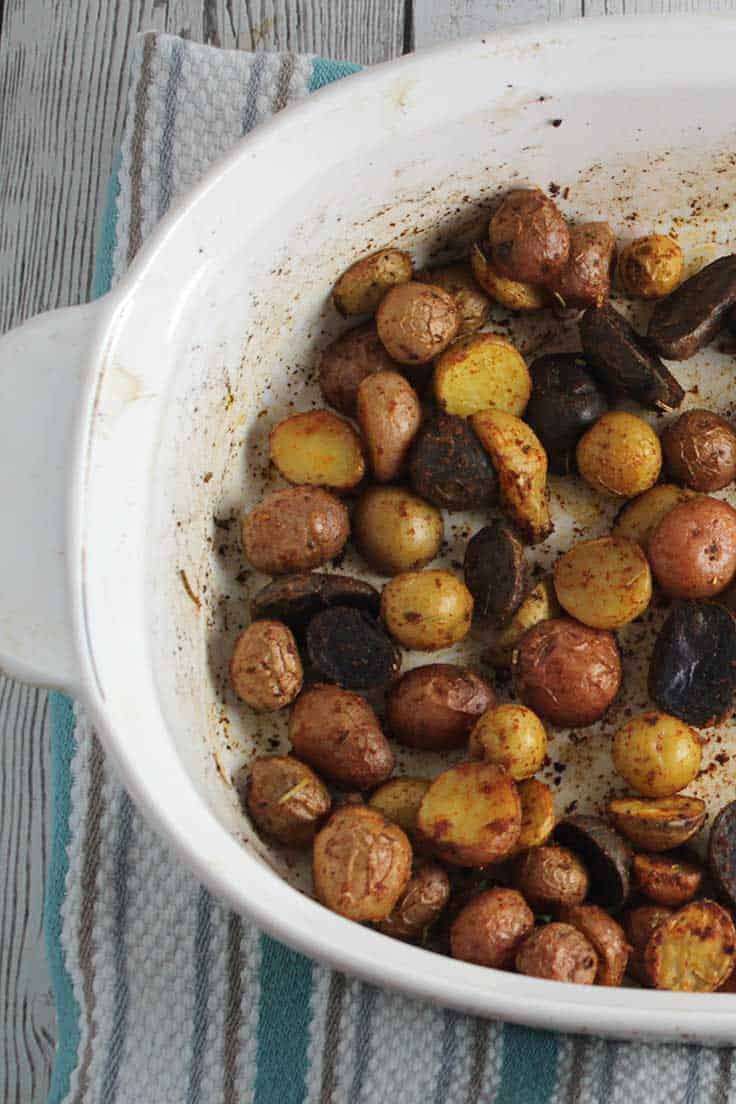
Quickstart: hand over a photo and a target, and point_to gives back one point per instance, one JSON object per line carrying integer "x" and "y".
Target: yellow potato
{"x": 620, "y": 455}
{"x": 692, "y": 951}
{"x": 471, "y": 814}
{"x": 399, "y": 800}
{"x": 537, "y": 813}
{"x": 521, "y": 463}
{"x": 318, "y": 448}
{"x": 396, "y": 530}
{"x": 389, "y": 414}
{"x": 604, "y": 583}
{"x": 651, "y": 267}
{"x": 511, "y": 294}
{"x": 658, "y": 824}
{"x": 362, "y": 286}
{"x": 657, "y": 754}
{"x": 426, "y": 610}
{"x": 480, "y": 372}
{"x": 638, "y": 519}
{"x": 512, "y": 736}
{"x": 539, "y": 605}
{"x": 472, "y": 304}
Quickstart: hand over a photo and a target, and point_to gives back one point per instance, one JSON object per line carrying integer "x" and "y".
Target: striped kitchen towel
{"x": 163, "y": 996}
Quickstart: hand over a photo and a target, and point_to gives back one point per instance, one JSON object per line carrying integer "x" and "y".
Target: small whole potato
{"x": 426, "y": 610}
{"x": 399, "y": 800}
{"x": 318, "y": 448}
{"x": 362, "y": 286}
{"x": 434, "y": 707}
{"x": 512, "y": 736}
{"x": 396, "y": 530}
{"x": 638, "y": 519}
{"x": 558, "y": 952}
{"x": 620, "y": 455}
{"x": 551, "y": 878}
{"x": 265, "y": 668}
{"x": 666, "y": 879}
{"x": 457, "y": 280}
{"x": 693, "y": 549}
{"x": 567, "y": 672}
{"x": 539, "y": 605}
{"x": 449, "y": 467}
{"x": 585, "y": 279}
{"x": 604, "y": 583}
{"x": 511, "y": 294}
{"x": 700, "y": 450}
{"x": 537, "y": 813}
{"x": 651, "y": 267}
{"x": 479, "y": 372}
{"x": 471, "y": 815}
{"x": 606, "y": 936}
{"x": 416, "y": 322}
{"x": 294, "y": 530}
{"x": 528, "y": 236}
{"x": 361, "y": 864}
{"x": 491, "y": 927}
{"x": 338, "y": 734}
{"x": 420, "y": 905}
{"x": 565, "y": 401}
{"x": 346, "y": 362}
{"x": 284, "y": 798}
{"x": 389, "y": 414}
{"x": 658, "y": 755}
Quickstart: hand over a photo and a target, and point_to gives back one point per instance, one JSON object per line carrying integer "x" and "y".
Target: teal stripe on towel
{"x": 325, "y": 72}
{"x": 283, "y": 1024}
{"x": 528, "y": 1066}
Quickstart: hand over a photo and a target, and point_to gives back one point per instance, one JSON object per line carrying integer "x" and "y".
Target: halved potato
{"x": 638, "y": 519}
{"x": 666, "y": 880}
{"x": 471, "y": 814}
{"x": 537, "y": 813}
{"x": 539, "y": 605}
{"x": 511, "y": 294}
{"x": 657, "y": 824}
{"x": 479, "y": 372}
{"x": 362, "y": 286}
{"x": 521, "y": 463}
{"x": 389, "y": 414}
{"x": 319, "y": 449}
{"x": 399, "y": 800}
{"x": 693, "y": 951}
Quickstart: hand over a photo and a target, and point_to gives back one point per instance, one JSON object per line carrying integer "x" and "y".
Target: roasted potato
{"x": 604, "y": 583}
{"x": 700, "y": 450}
{"x": 666, "y": 879}
{"x": 537, "y": 813}
{"x": 606, "y": 855}
{"x": 295, "y": 599}
{"x": 491, "y": 927}
{"x": 399, "y": 800}
{"x": 651, "y": 267}
{"x": 659, "y": 823}
{"x": 693, "y": 549}
{"x": 567, "y": 672}
{"x": 420, "y": 905}
{"x": 693, "y": 950}
{"x": 350, "y": 648}
{"x": 416, "y": 322}
{"x": 658, "y": 755}
{"x": 620, "y": 455}
{"x": 389, "y": 414}
{"x": 448, "y": 466}
{"x": 512, "y": 294}
{"x": 638, "y": 519}
{"x": 521, "y": 463}
{"x": 362, "y": 286}
{"x": 692, "y": 672}
{"x": 318, "y": 448}
{"x": 294, "y": 530}
{"x": 539, "y": 605}
{"x": 338, "y": 734}
{"x": 346, "y": 362}
{"x": 722, "y": 852}
{"x": 285, "y": 798}
{"x": 471, "y": 815}
{"x": 565, "y": 401}
{"x": 558, "y": 952}
{"x": 396, "y": 530}
{"x": 585, "y": 278}
{"x": 550, "y": 878}
{"x": 426, "y": 610}
{"x": 639, "y": 925}
{"x": 481, "y": 372}
{"x": 606, "y": 936}
{"x": 495, "y": 572}
{"x": 434, "y": 707}
{"x": 695, "y": 312}
{"x": 512, "y": 736}
{"x": 457, "y": 280}
{"x": 265, "y": 668}
{"x": 361, "y": 864}
{"x": 529, "y": 238}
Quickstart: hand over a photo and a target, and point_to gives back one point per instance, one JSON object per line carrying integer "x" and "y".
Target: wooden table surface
{"x": 63, "y": 85}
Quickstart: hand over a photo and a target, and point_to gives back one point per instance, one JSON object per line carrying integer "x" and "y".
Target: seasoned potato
{"x": 350, "y": 648}
{"x": 318, "y": 448}
{"x": 346, "y": 362}
{"x": 471, "y": 815}
{"x": 457, "y": 279}
{"x": 620, "y": 455}
{"x": 604, "y": 583}
{"x": 638, "y": 519}
{"x": 585, "y": 279}
{"x": 539, "y": 605}
{"x": 284, "y": 798}
{"x": 362, "y": 286}
{"x": 295, "y": 599}
{"x": 521, "y": 463}
{"x": 416, "y": 322}
{"x": 693, "y": 549}
{"x": 479, "y": 372}
{"x": 294, "y": 530}
{"x": 722, "y": 852}
{"x": 491, "y": 927}
{"x": 338, "y": 734}
{"x": 694, "y": 950}
{"x": 657, "y": 824}
{"x": 529, "y": 237}
{"x": 512, "y": 736}
{"x": 700, "y": 450}
{"x": 449, "y": 467}
{"x": 685, "y": 321}
{"x": 665, "y": 879}
{"x": 265, "y": 668}
{"x": 651, "y": 267}
{"x": 361, "y": 864}
{"x": 420, "y": 905}
{"x": 565, "y": 401}
{"x": 658, "y": 755}
{"x": 399, "y": 800}
{"x": 512, "y": 294}
{"x": 605, "y": 853}
{"x": 558, "y": 952}
{"x": 606, "y": 936}
{"x": 550, "y": 878}
{"x": 537, "y": 813}
{"x": 434, "y": 707}
{"x": 567, "y": 672}
{"x": 426, "y": 610}
{"x": 495, "y": 572}
{"x": 639, "y": 924}
{"x": 389, "y": 414}
{"x": 396, "y": 530}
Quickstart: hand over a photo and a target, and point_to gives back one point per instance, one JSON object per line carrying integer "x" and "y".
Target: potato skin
{"x": 426, "y": 610}
{"x": 529, "y": 238}
{"x": 284, "y": 798}
{"x": 457, "y": 280}
{"x": 346, "y": 362}
{"x": 657, "y": 824}
{"x": 551, "y": 877}
{"x": 693, "y": 950}
{"x": 605, "y": 583}
{"x": 639, "y": 925}
{"x": 416, "y": 322}
{"x": 537, "y": 813}
{"x": 539, "y": 605}
{"x": 638, "y": 519}
{"x": 693, "y": 549}
{"x": 435, "y": 706}
{"x": 389, "y": 414}
{"x": 568, "y": 673}
{"x": 657, "y": 754}
{"x": 362, "y": 286}
{"x": 558, "y": 952}
{"x": 482, "y": 371}
{"x": 471, "y": 815}
{"x": 521, "y": 463}
{"x": 361, "y": 864}
{"x": 620, "y": 455}
{"x": 338, "y": 734}
{"x": 512, "y": 294}
{"x": 319, "y": 449}
{"x": 666, "y": 879}
{"x": 491, "y": 927}
{"x": 296, "y": 529}
{"x": 395, "y": 530}
{"x": 420, "y": 905}
{"x": 606, "y": 936}
{"x": 700, "y": 450}
{"x": 399, "y": 800}
{"x": 651, "y": 267}
{"x": 265, "y": 668}
{"x": 512, "y": 736}
{"x": 449, "y": 467}
{"x": 565, "y": 401}
{"x": 585, "y": 279}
